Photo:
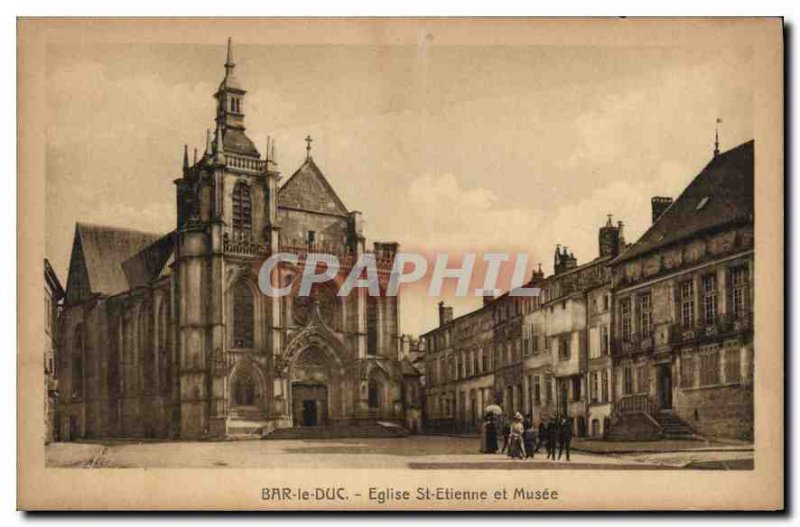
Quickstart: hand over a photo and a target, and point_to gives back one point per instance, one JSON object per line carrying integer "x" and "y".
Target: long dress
{"x": 491, "y": 437}
{"x": 515, "y": 447}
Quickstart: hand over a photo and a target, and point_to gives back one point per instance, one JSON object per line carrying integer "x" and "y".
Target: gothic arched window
{"x": 243, "y": 316}
{"x": 147, "y": 350}
{"x": 78, "y": 352}
{"x": 242, "y": 218}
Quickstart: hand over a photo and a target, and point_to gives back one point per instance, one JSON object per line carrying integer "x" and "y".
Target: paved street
{"x": 415, "y": 452}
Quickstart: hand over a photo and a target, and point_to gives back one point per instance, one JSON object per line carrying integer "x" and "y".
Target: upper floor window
{"x": 604, "y": 341}
{"x": 709, "y": 298}
{"x": 645, "y": 315}
{"x": 625, "y": 318}
{"x": 563, "y": 347}
{"x": 242, "y": 217}
{"x": 687, "y": 303}
{"x": 739, "y": 284}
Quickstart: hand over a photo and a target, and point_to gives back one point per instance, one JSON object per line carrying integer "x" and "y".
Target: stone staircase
{"x": 672, "y": 426}
{"x": 375, "y": 429}
{"x": 245, "y": 422}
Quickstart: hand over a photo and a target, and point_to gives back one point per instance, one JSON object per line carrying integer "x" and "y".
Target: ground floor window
{"x": 709, "y": 365}
{"x": 687, "y": 371}
{"x": 733, "y": 371}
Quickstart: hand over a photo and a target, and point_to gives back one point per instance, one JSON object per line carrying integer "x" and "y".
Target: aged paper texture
{"x": 400, "y": 264}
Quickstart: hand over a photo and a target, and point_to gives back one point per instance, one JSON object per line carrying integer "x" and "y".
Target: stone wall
{"x": 725, "y": 411}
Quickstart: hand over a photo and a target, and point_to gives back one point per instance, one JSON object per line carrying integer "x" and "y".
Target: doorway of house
{"x": 664, "y": 376}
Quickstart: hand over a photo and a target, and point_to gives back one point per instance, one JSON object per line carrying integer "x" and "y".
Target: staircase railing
{"x": 631, "y": 404}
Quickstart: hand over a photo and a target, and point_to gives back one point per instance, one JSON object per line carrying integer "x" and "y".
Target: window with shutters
{"x": 242, "y": 218}
{"x": 243, "y": 316}
{"x": 604, "y": 382}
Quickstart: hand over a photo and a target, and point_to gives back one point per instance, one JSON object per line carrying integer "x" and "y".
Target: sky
{"x": 442, "y": 148}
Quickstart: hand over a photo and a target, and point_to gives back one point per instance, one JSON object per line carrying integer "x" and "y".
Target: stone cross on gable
{"x": 308, "y": 146}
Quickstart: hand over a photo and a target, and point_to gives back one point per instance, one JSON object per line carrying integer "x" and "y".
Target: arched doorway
{"x": 246, "y": 387}
{"x": 311, "y": 388}
{"x": 244, "y": 390}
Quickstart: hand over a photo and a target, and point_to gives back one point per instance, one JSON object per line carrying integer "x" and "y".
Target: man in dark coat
{"x": 541, "y": 438}
{"x": 564, "y": 437}
{"x": 552, "y": 437}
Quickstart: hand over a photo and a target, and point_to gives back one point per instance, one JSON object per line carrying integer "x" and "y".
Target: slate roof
{"x": 235, "y": 140}
{"x": 308, "y": 189}
{"x": 104, "y": 249}
{"x": 149, "y": 263}
{"x": 721, "y": 195}
{"x": 407, "y": 368}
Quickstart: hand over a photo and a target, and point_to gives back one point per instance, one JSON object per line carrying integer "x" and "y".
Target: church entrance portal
{"x": 310, "y": 404}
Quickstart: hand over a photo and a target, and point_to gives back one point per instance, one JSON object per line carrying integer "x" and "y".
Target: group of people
{"x": 521, "y": 440}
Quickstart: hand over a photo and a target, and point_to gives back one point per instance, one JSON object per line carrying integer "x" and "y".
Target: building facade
{"x": 683, "y": 298}
{"x": 649, "y": 340}
{"x": 53, "y": 295}
{"x": 169, "y": 335}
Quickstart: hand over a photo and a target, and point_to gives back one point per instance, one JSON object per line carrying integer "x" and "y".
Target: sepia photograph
{"x": 402, "y": 263}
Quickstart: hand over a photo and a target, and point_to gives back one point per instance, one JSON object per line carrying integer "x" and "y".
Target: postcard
{"x": 400, "y": 264}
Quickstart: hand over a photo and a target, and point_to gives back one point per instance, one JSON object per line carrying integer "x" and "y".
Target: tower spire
{"x": 229, "y": 64}
{"x": 185, "y": 157}
{"x": 716, "y": 137}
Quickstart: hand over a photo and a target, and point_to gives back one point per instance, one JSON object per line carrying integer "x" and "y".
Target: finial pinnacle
{"x": 308, "y": 146}
{"x": 229, "y": 59}
{"x": 716, "y": 137}
{"x": 185, "y": 156}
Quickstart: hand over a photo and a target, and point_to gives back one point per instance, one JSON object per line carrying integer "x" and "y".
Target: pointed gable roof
{"x": 722, "y": 194}
{"x": 98, "y": 253}
{"x": 309, "y": 190}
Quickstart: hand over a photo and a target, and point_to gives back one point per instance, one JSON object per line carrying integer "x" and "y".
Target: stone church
{"x": 168, "y": 335}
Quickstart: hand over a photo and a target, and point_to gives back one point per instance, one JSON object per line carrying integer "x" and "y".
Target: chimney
{"x": 658, "y": 205}
{"x": 564, "y": 260}
{"x": 608, "y": 239}
{"x": 445, "y": 314}
{"x": 537, "y": 275}
{"x": 487, "y": 298}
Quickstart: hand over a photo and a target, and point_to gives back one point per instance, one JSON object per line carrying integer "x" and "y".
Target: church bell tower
{"x": 226, "y": 227}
